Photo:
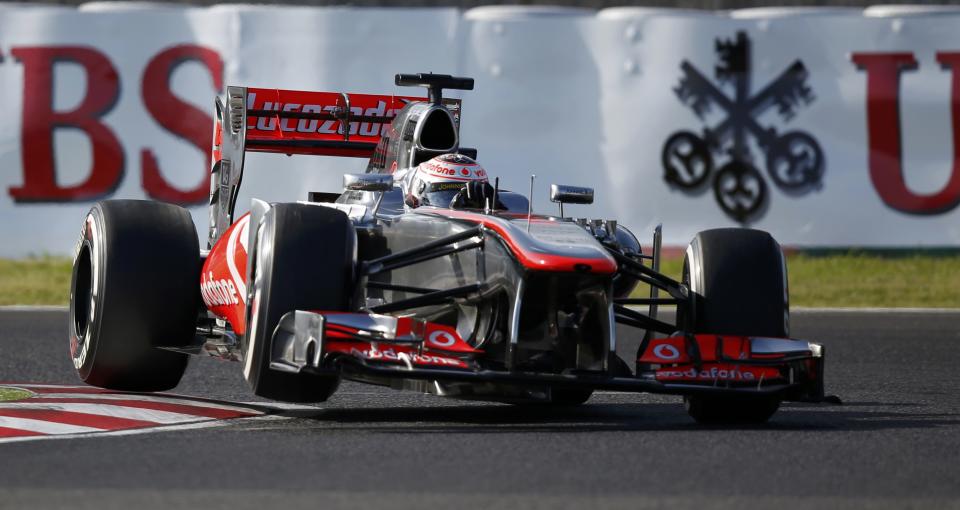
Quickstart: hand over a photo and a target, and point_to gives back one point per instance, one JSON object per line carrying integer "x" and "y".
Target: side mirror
{"x": 570, "y": 194}
{"x": 563, "y": 194}
{"x": 368, "y": 182}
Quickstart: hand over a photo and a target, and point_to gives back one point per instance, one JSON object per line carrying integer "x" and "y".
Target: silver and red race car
{"x": 481, "y": 299}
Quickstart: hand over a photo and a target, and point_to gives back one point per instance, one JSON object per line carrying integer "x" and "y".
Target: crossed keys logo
{"x": 793, "y": 159}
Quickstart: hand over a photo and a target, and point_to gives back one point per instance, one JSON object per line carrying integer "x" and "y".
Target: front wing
{"x": 383, "y": 348}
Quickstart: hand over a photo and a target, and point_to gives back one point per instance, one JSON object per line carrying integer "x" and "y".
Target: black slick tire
{"x": 739, "y": 278}
{"x": 135, "y": 287}
{"x": 304, "y": 259}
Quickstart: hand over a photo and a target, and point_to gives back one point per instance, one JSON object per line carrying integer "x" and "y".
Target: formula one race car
{"x": 421, "y": 275}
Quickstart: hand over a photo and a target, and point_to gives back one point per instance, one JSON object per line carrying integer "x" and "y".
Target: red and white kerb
{"x": 55, "y": 410}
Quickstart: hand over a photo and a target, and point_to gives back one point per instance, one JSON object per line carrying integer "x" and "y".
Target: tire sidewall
{"x": 257, "y": 320}
{"x": 91, "y": 251}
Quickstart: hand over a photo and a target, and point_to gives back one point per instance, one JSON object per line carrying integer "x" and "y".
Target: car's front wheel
{"x": 739, "y": 280}
{"x": 304, "y": 259}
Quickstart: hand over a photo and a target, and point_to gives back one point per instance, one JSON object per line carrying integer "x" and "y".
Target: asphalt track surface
{"x": 895, "y": 443}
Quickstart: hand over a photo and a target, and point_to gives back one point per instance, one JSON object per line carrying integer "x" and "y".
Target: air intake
{"x": 437, "y": 132}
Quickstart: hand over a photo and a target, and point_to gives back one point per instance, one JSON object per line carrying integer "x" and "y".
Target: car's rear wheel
{"x": 134, "y": 288}
{"x": 739, "y": 278}
{"x": 304, "y": 259}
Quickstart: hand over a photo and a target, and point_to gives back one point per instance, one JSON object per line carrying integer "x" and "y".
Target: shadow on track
{"x": 494, "y": 419}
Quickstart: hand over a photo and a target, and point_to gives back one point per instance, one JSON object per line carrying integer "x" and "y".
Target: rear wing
{"x": 300, "y": 122}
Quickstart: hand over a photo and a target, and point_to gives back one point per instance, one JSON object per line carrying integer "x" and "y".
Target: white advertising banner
{"x": 824, "y": 130}
{"x": 823, "y": 127}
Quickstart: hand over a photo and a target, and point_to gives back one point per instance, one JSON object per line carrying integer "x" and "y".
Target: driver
{"x": 449, "y": 180}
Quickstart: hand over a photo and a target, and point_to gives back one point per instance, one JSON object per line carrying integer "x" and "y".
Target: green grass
{"x": 858, "y": 279}
{"x": 7, "y": 394}
{"x": 35, "y": 281}
{"x": 838, "y": 279}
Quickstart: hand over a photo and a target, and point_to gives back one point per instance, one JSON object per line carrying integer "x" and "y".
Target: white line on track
{"x": 33, "y": 308}
{"x": 847, "y": 309}
{"x": 285, "y": 406}
{"x": 31, "y": 385}
{"x": 872, "y": 310}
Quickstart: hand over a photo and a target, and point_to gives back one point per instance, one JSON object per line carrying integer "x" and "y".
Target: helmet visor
{"x": 440, "y": 194}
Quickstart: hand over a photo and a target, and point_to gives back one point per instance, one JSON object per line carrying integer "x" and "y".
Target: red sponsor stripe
{"x": 337, "y": 333}
{"x": 74, "y": 418}
{"x": 205, "y": 412}
{"x": 366, "y": 351}
{"x": 733, "y": 348}
{"x": 772, "y": 355}
{"x": 8, "y": 432}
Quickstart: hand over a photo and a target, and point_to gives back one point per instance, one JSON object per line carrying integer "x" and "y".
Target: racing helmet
{"x": 438, "y": 181}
